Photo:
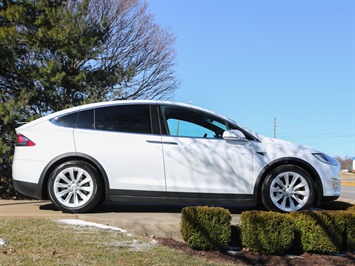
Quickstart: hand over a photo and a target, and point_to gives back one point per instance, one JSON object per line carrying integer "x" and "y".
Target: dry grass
{"x": 45, "y": 242}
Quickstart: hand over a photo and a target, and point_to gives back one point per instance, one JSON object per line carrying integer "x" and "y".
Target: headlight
{"x": 325, "y": 158}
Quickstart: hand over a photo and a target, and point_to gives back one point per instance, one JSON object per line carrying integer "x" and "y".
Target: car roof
{"x": 111, "y": 103}
{"x": 125, "y": 102}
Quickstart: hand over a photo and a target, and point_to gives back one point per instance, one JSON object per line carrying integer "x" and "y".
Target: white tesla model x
{"x": 167, "y": 153}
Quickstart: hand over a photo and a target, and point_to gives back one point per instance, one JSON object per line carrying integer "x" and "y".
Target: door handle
{"x": 162, "y": 142}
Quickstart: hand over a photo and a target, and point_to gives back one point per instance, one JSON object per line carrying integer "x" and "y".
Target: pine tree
{"x": 57, "y": 54}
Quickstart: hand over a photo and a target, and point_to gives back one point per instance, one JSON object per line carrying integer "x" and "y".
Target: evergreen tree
{"x": 57, "y": 54}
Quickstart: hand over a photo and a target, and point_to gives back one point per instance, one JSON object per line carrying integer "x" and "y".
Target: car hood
{"x": 273, "y": 145}
{"x": 287, "y": 148}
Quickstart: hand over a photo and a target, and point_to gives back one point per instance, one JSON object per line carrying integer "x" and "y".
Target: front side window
{"x": 189, "y": 123}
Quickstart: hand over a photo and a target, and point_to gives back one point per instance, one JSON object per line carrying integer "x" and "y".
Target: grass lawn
{"x": 46, "y": 242}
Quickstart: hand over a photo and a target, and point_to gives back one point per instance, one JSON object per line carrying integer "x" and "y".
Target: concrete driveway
{"x": 159, "y": 221}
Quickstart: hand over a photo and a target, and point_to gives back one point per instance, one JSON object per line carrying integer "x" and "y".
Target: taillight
{"x": 24, "y": 141}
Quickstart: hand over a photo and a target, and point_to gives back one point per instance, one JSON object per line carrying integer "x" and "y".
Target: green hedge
{"x": 206, "y": 227}
{"x": 319, "y": 231}
{"x": 350, "y": 230}
{"x": 351, "y": 209}
{"x": 267, "y": 232}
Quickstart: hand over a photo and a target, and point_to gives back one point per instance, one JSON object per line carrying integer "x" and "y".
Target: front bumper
{"x": 330, "y": 198}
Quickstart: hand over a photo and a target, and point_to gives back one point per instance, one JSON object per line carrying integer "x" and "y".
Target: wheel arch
{"x": 318, "y": 187}
{"x": 43, "y": 181}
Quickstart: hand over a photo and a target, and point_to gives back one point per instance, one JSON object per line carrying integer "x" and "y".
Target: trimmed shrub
{"x": 267, "y": 232}
{"x": 351, "y": 209}
{"x": 206, "y": 227}
{"x": 319, "y": 231}
{"x": 349, "y": 219}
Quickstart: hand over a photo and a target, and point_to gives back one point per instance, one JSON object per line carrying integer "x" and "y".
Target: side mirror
{"x": 235, "y": 135}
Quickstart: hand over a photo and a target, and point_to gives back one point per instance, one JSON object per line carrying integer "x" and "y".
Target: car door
{"x": 121, "y": 139}
{"x": 198, "y": 159}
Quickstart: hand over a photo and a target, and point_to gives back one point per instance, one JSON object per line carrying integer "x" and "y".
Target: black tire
{"x": 287, "y": 188}
{"x": 74, "y": 187}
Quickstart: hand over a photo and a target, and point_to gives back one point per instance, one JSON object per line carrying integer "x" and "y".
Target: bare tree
{"x": 140, "y": 47}
{"x": 345, "y": 162}
{"x": 65, "y": 53}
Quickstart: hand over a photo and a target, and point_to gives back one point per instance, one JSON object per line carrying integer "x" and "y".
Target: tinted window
{"x": 190, "y": 123}
{"x": 124, "y": 118}
{"x": 86, "y": 119}
{"x": 68, "y": 120}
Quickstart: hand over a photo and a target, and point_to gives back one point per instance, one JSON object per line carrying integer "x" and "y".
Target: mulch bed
{"x": 245, "y": 257}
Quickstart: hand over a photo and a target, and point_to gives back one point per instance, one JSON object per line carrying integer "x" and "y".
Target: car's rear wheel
{"x": 287, "y": 188}
{"x": 75, "y": 186}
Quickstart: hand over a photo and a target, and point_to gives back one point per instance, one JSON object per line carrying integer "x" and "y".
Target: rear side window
{"x": 124, "y": 118}
{"x": 68, "y": 120}
{"x": 86, "y": 119}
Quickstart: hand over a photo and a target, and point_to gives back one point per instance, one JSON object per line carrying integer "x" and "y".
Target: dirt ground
{"x": 245, "y": 257}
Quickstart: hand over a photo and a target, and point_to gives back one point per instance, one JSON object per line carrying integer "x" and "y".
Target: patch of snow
{"x": 232, "y": 252}
{"x": 84, "y": 223}
{"x": 289, "y": 256}
{"x": 132, "y": 245}
{"x": 140, "y": 246}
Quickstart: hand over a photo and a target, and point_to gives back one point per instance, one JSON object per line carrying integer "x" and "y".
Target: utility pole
{"x": 293, "y": 129}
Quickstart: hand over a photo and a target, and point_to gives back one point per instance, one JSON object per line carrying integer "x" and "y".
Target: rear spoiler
{"x": 20, "y": 123}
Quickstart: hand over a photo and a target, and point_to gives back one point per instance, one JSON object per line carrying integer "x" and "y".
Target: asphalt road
{"x": 348, "y": 191}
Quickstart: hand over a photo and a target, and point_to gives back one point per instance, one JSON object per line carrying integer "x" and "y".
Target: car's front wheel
{"x": 75, "y": 186}
{"x": 287, "y": 188}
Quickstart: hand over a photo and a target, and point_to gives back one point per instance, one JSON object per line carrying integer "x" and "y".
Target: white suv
{"x": 164, "y": 152}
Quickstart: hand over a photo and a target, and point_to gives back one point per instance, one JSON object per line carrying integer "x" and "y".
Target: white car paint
{"x": 208, "y": 165}
{"x": 128, "y": 159}
{"x": 164, "y": 167}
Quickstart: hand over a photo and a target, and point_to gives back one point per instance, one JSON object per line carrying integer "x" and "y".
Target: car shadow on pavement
{"x": 114, "y": 207}
{"x": 109, "y": 207}
{"x": 20, "y": 202}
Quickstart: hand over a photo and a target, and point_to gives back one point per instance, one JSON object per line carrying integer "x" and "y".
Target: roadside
{"x": 344, "y": 174}
{"x": 158, "y": 221}
{"x": 347, "y": 179}
{"x": 161, "y": 224}
{"x": 151, "y": 220}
